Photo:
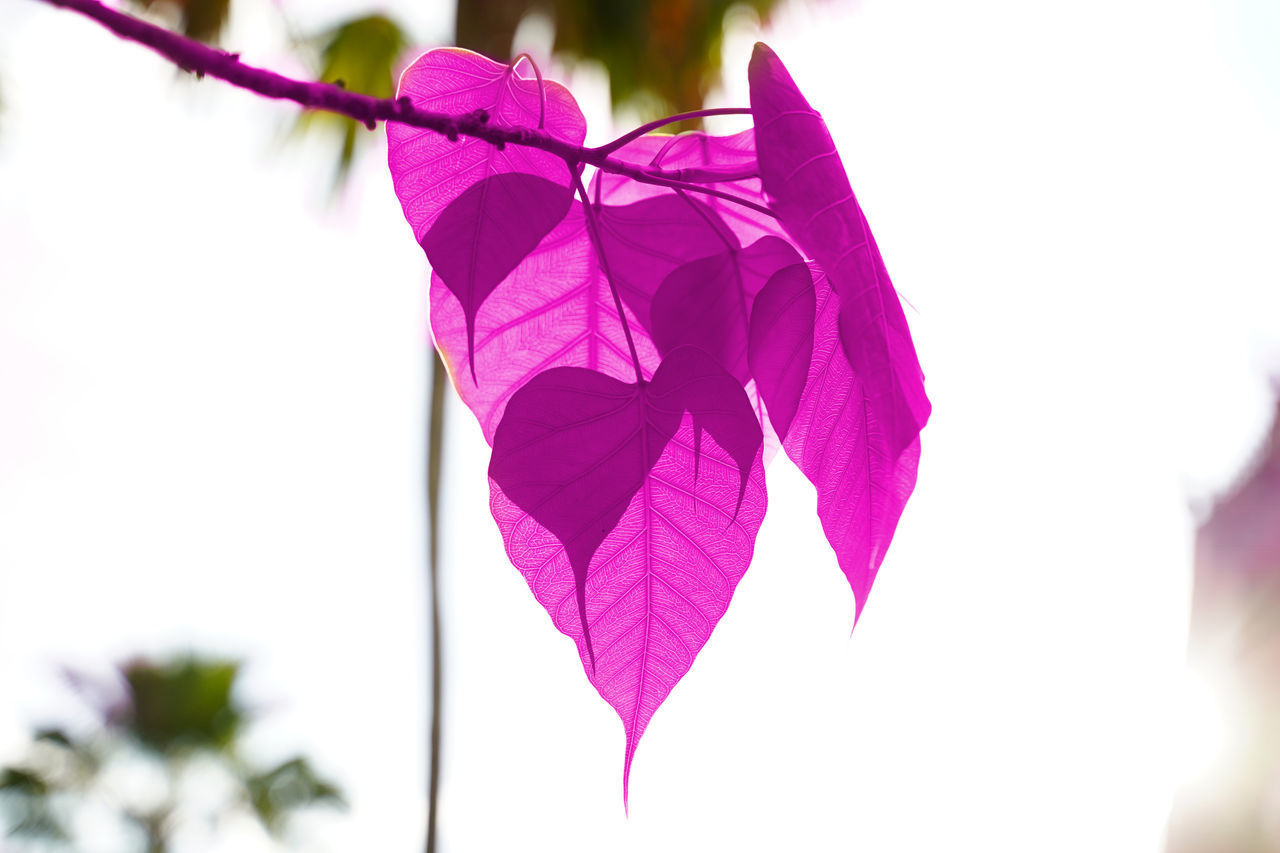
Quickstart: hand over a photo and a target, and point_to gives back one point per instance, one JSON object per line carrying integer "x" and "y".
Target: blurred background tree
{"x": 168, "y": 728}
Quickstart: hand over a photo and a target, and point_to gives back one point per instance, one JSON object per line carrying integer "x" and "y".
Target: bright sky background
{"x": 211, "y": 417}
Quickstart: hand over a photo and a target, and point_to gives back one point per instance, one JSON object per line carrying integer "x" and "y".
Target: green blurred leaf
{"x": 293, "y": 785}
{"x": 182, "y": 705}
{"x": 202, "y": 20}
{"x": 25, "y": 796}
{"x": 27, "y": 783}
{"x": 361, "y": 55}
{"x": 664, "y": 54}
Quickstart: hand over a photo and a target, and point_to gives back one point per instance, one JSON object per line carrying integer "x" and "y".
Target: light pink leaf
{"x": 840, "y": 443}
{"x": 553, "y": 310}
{"x": 660, "y": 580}
{"x": 429, "y": 171}
{"x": 697, "y": 156}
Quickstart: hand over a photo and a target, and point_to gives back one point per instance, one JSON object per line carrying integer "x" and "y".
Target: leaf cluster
{"x": 636, "y": 345}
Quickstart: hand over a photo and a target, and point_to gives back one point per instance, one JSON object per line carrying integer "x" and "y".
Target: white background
{"x": 212, "y": 384}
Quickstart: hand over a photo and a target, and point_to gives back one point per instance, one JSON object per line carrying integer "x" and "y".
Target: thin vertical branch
{"x": 435, "y": 460}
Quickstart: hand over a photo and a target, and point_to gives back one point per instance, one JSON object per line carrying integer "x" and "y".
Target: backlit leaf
{"x": 806, "y": 183}
{"x": 839, "y": 442}
{"x": 593, "y": 487}
{"x": 483, "y": 234}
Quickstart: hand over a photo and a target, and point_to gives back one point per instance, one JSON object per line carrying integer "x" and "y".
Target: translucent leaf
{"x": 483, "y": 234}
{"x": 593, "y": 487}
{"x": 781, "y": 342}
{"x": 429, "y": 171}
{"x": 839, "y": 442}
{"x": 707, "y": 302}
{"x": 553, "y": 310}
{"x": 804, "y": 179}
{"x": 699, "y": 157}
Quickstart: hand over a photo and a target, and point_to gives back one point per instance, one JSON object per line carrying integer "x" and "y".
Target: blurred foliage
{"x": 202, "y": 20}
{"x": 663, "y": 50}
{"x": 174, "y": 715}
{"x": 183, "y": 705}
{"x": 662, "y": 56}
{"x": 361, "y": 55}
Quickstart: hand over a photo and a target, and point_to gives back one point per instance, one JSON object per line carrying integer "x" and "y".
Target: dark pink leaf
{"x": 840, "y": 443}
{"x": 553, "y": 310}
{"x": 660, "y": 568}
{"x": 781, "y": 342}
{"x": 429, "y": 171}
{"x": 573, "y": 447}
{"x": 707, "y": 302}
{"x": 483, "y": 234}
{"x": 700, "y": 157}
{"x": 643, "y": 242}
{"x": 810, "y": 192}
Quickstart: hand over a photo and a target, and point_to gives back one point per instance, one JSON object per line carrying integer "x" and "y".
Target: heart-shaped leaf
{"x": 553, "y": 310}
{"x": 575, "y": 445}
{"x": 660, "y": 576}
{"x": 707, "y": 302}
{"x": 806, "y": 183}
{"x": 483, "y": 234}
{"x": 645, "y": 241}
{"x": 429, "y": 171}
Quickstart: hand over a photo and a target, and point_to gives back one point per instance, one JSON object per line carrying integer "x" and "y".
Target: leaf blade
{"x": 806, "y": 182}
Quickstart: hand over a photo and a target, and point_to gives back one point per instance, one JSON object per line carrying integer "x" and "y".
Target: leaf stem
{"x": 202, "y": 60}
{"x": 610, "y": 147}
{"x": 593, "y": 229}
{"x": 542, "y": 89}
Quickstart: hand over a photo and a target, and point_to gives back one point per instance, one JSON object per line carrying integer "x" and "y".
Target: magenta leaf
{"x": 487, "y": 231}
{"x": 808, "y": 188}
{"x": 839, "y": 442}
{"x": 553, "y": 310}
{"x": 781, "y": 342}
{"x": 429, "y": 171}
{"x": 659, "y": 580}
{"x": 706, "y": 302}
{"x": 645, "y": 241}
{"x": 702, "y": 157}
{"x": 575, "y": 445}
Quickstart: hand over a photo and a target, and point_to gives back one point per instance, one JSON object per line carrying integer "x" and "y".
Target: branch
{"x": 202, "y": 60}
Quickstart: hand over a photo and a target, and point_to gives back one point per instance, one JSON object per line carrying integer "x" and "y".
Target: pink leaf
{"x": 805, "y": 181}
{"x": 571, "y": 447}
{"x": 781, "y": 342}
{"x": 429, "y": 171}
{"x": 700, "y": 156}
{"x": 839, "y": 442}
{"x": 484, "y": 233}
{"x": 707, "y": 302}
{"x": 645, "y": 241}
{"x": 553, "y": 310}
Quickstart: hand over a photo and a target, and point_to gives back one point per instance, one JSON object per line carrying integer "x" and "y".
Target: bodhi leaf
{"x": 486, "y": 232}
{"x": 553, "y": 310}
{"x": 707, "y": 302}
{"x": 702, "y": 158}
{"x": 808, "y": 188}
{"x": 840, "y": 443}
{"x": 592, "y": 485}
{"x": 429, "y": 171}
{"x": 645, "y": 241}
{"x": 781, "y": 342}
{"x": 477, "y": 210}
